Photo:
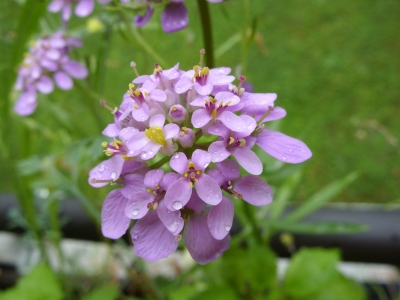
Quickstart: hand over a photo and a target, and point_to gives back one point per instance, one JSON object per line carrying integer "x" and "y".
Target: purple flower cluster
{"x": 198, "y": 121}
{"x": 173, "y": 18}
{"x": 83, "y": 8}
{"x": 47, "y": 59}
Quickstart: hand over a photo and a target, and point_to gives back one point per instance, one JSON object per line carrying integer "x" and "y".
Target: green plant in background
{"x": 48, "y": 155}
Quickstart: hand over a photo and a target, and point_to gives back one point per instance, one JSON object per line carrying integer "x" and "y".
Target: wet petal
{"x": 178, "y": 194}
{"x": 201, "y": 159}
{"x": 151, "y": 239}
{"x": 276, "y": 114}
{"x": 170, "y": 131}
{"x": 227, "y": 97}
{"x": 133, "y": 184}
{"x": 111, "y": 130}
{"x": 63, "y": 81}
{"x": 203, "y": 90}
{"x": 183, "y": 85}
{"x": 136, "y": 208}
{"x": 200, "y": 118}
{"x": 114, "y": 223}
{"x": 157, "y": 120}
{"x": 248, "y": 160}
{"x": 179, "y": 162}
{"x": 218, "y": 151}
{"x": 150, "y": 150}
{"x": 126, "y": 133}
{"x": 174, "y": 17}
{"x": 168, "y": 179}
{"x": 230, "y": 169}
{"x": 232, "y": 121}
{"x": 216, "y": 174}
{"x": 106, "y": 170}
{"x": 142, "y": 113}
{"x": 202, "y": 246}
{"x": 208, "y": 190}
{"x": 171, "y": 219}
{"x": 137, "y": 141}
{"x": 220, "y": 218}
{"x": 283, "y": 147}
{"x": 254, "y": 190}
{"x": 221, "y": 80}
{"x": 195, "y": 203}
{"x": 153, "y": 178}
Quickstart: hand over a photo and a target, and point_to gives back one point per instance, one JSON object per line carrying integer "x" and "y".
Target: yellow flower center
{"x": 156, "y": 134}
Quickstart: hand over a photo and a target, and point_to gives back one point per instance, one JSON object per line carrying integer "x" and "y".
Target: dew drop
{"x": 205, "y": 165}
{"x": 177, "y": 205}
{"x": 113, "y": 175}
{"x": 151, "y": 152}
{"x": 135, "y": 212}
{"x": 176, "y": 156}
{"x": 208, "y": 157}
{"x": 101, "y": 168}
{"x": 134, "y": 236}
{"x": 284, "y": 157}
{"x": 290, "y": 150}
{"x": 222, "y": 154}
{"x": 217, "y": 130}
{"x": 228, "y": 119}
{"x": 227, "y": 227}
{"x": 144, "y": 154}
{"x": 160, "y": 248}
{"x": 143, "y": 118}
{"x": 131, "y": 152}
{"x": 217, "y": 195}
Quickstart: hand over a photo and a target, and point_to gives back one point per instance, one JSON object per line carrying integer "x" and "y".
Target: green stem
{"x": 250, "y": 216}
{"x": 160, "y": 163}
{"x": 140, "y": 40}
{"x": 207, "y": 33}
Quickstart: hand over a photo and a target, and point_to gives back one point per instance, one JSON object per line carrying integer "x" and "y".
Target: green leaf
{"x": 40, "y": 283}
{"x": 216, "y": 292}
{"x": 318, "y": 227}
{"x": 310, "y": 271}
{"x": 106, "y": 292}
{"x": 320, "y": 198}
{"x": 261, "y": 267}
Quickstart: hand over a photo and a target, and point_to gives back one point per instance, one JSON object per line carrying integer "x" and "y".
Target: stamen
{"x": 270, "y": 108}
{"x": 133, "y": 66}
{"x": 157, "y": 68}
{"x": 191, "y": 166}
{"x": 202, "y": 52}
{"x": 104, "y": 103}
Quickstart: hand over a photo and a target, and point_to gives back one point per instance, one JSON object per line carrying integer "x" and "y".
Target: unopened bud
{"x": 186, "y": 137}
{"x": 178, "y": 113}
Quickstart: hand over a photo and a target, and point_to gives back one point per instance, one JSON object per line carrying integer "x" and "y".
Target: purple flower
{"x": 48, "y": 58}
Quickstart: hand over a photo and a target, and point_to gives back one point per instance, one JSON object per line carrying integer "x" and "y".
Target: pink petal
{"x": 220, "y": 218}
{"x": 232, "y": 121}
{"x": 111, "y": 130}
{"x": 200, "y": 101}
{"x": 170, "y": 131}
{"x": 63, "y": 81}
{"x": 142, "y": 20}
{"x": 114, "y": 223}
{"x": 107, "y": 170}
{"x": 218, "y": 151}
{"x": 195, "y": 203}
{"x": 183, "y": 85}
{"x": 153, "y": 178}
{"x": 254, "y": 190}
{"x": 157, "y": 120}
{"x": 202, "y": 246}
{"x": 171, "y": 219}
{"x": 178, "y": 194}
{"x": 158, "y": 95}
{"x": 76, "y": 69}
{"x": 137, "y": 141}
{"x": 179, "y": 162}
{"x": 66, "y": 12}
{"x": 283, "y": 147}
{"x": 84, "y": 8}
{"x": 136, "y": 208}
{"x": 276, "y": 114}
{"x": 203, "y": 90}
{"x": 151, "y": 240}
{"x": 201, "y": 159}
{"x": 230, "y": 169}
{"x": 174, "y": 17}
{"x": 55, "y": 6}
{"x": 150, "y": 150}
{"x": 248, "y": 160}
{"x": 168, "y": 179}
{"x": 200, "y": 118}
{"x": 227, "y": 97}
{"x": 133, "y": 184}
{"x": 142, "y": 113}
{"x": 208, "y": 190}
{"x": 45, "y": 85}
{"x": 221, "y": 80}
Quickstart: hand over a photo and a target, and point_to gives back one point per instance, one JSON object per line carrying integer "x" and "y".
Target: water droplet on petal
{"x": 113, "y": 175}
{"x": 135, "y": 212}
{"x": 101, "y": 168}
{"x": 205, "y": 165}
{"x": 227, "y": 227}
{"x": 217, "y": 130}
{"x": 151, "y": 152}
{"x": 177, "y": 205}
{"x": 144, "y": 155}
{"x": 228, "y": 119}
{"x": 284, "y": 157}
{"x": 176, "y": 156}
{"x": 217, "y": 195}
{"x": 134, "y": 236}
{"x": 143, "y": 118}
{"x": 290, "y": 150}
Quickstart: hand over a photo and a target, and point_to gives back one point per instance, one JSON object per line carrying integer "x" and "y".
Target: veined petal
{"x": 208, "y": 190}
{"x": 248, "y": 160}
{"x": 254, "y": 190}
{"x": 171, "y": 219}
{"x": 178, "y": 194}
{"x": 229, "y": 168}
{"x": 202, "y": 246}
{"x": 179, "y": 162}
{"x": 142, "y": 113}
{"x": 133, "y": 184}
{"x": 218, "y": 151}
{"x": 114, "y": 223}
{"x": 153, "y": 178}
{"x": 217, "y": 175}
{"x": 126, "y": 133}
{"x": 283, "y": 147}
{"x": 226, "y": 97}
{"x": 174, "y": 17}
{"x": 107, "y": 170}
{"x": 201, "y": 159}
{"x": 220, "y": 130}
{"x": 137, "y": 141}
{"x": 136, "y": 208}
{"x": 151, "y": 239}
{"x": 220, "y": 218}
{"x": 200, "y": 118}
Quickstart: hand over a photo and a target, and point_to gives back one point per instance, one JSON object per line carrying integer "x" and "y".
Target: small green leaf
{"x": 40, "y": 283}
{"x": 310, "y": 271}
{"x": 320, "y": 198}
{"x": 318, "y": 227}
{"x": 216, "y": 292}
{"x": 106, "y": 292}
{"x": 261, "y": 266}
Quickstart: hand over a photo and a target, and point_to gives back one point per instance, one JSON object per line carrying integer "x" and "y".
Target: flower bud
{"x": 186, "y": 137}
{"x": 178, "y": 113}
